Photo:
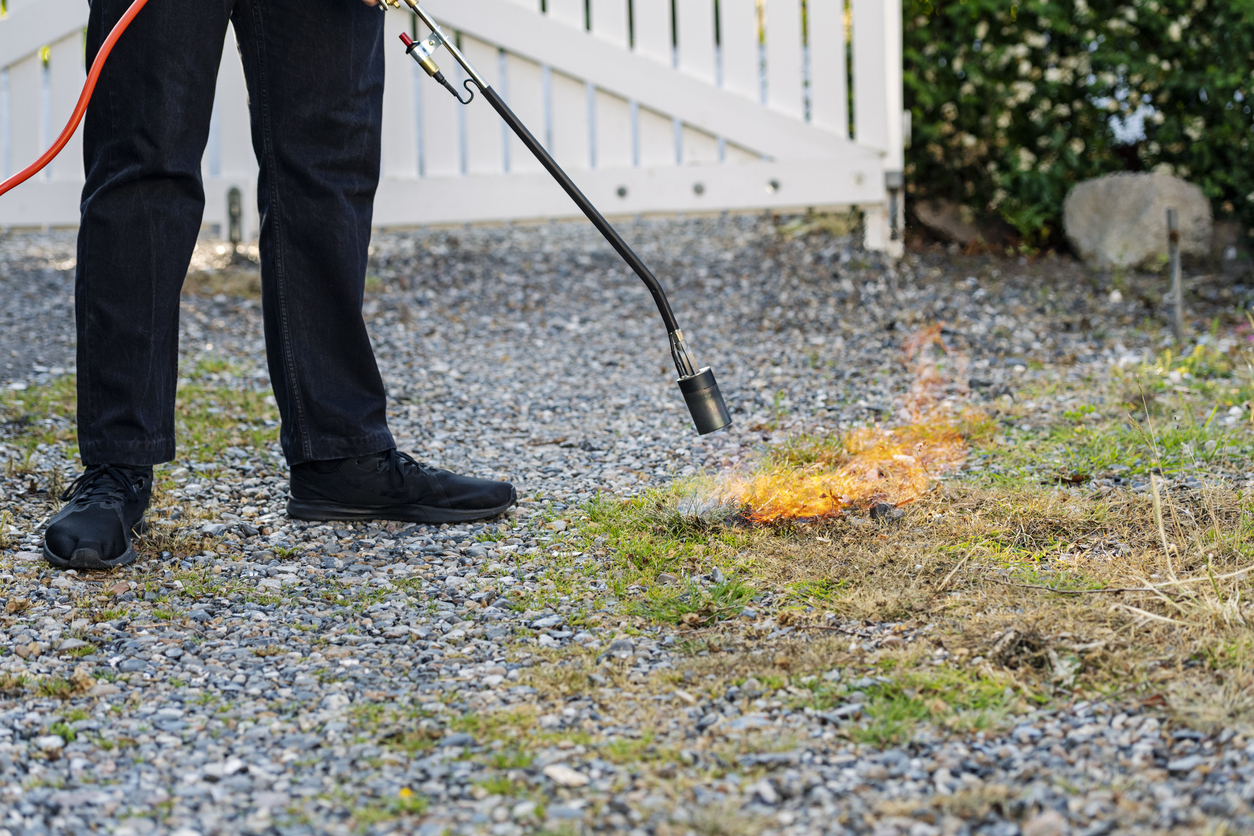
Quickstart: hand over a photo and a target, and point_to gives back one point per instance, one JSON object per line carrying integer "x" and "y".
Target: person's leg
{"x": 315, "y": 82}
{"x": 143, "y": 139}
{"x": 314, "y": 70}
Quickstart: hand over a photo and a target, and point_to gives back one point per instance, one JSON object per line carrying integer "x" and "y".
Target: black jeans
{"x": 314, "y": 70}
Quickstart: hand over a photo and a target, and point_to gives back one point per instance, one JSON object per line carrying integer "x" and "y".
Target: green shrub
{"x": 1012, "y": 103}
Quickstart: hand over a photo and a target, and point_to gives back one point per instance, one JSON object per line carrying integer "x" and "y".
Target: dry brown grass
{"x": 1063, "y": 591}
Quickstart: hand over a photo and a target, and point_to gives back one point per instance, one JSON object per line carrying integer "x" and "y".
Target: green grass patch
{"x": 690, "y": 604}
{"x": 63, "y": 730}
{"x": 38, "y": 415}
{"x": 214, "y": 411}
{"x": 366, "y": 814}
{"x": 951, "y": 697}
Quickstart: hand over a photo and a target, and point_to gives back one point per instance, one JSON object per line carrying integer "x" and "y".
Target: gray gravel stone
{"x": 301, "y": 672}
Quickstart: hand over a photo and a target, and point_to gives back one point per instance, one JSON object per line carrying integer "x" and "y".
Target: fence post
{"x": 877, "y": 107}
{"x": 1177, "y": 291}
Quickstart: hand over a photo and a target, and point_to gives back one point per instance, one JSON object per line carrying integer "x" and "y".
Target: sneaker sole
{"x": 88, "y": 559}
{"x": 314, "y": 511}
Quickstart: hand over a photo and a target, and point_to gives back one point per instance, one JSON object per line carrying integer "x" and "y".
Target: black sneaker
{"x": 93, "y": 531}
{"x": 392, "y": 486}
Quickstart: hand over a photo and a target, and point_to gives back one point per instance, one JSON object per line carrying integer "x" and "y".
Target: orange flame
{"x": 874, "y": 464}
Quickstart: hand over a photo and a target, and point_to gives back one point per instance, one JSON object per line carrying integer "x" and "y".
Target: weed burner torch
{"x": 698, "y": 386}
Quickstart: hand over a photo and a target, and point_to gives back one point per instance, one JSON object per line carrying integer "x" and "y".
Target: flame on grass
{"x": 873, "y": 465}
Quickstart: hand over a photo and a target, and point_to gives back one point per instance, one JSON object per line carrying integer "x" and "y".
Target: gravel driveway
{"x": 286, "y": 677}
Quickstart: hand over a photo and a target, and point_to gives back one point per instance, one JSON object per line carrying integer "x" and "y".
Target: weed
{"x": 511, "y": 758}
{"x": 13, "y": 684}
{"x": 55, "y": 686}
{"x": 406, "y": 803}
{"x": 63, "y": 730}
{"x": 500, "y": 785}
{"x": 691, "y": 605}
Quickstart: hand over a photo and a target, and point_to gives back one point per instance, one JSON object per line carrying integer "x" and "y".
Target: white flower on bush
{"x": 1021, "y": 91}
{"x": 949, "y": 111}
{"x": 1026, "y": 159}
{"x": 981, "y": 29}
{"x": 1193, "y": 127}
{"x": 1035, "y": 40}
{"x": 1076, "y": 145}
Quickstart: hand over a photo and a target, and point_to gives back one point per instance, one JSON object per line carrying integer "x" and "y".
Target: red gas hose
{"x": 89, "y": 87}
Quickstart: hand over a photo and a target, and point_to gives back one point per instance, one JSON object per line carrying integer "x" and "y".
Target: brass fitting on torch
{"x": 421, "y": 51}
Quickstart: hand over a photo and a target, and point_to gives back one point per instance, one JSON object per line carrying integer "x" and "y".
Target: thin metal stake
{"x": 1177, "y": 289}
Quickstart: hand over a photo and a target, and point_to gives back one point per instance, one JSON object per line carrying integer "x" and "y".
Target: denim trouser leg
{"x": 315, "y": 79}
{"x": 143, "y": 139}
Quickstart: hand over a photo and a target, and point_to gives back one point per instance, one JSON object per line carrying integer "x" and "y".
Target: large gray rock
{"x": 1120, "y": 220}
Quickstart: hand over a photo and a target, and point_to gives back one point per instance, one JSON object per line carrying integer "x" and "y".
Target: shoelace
{"x": 397, "y": 463}
{"x": 93, "y": 485}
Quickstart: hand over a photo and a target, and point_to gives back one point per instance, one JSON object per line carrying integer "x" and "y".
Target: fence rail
{"x": 652, "y": 105}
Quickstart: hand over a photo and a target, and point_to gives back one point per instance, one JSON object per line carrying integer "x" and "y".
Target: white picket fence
{"x": 653, "y": 106}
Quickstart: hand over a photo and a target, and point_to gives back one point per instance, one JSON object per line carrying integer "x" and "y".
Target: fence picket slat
{"x": 695, "y": 21}
{"x": 655, "y": 140}
{"x": 441, "y": 124}
{"x": 609, "y": 21}
{"x": 738, "y": 20}
{"x": 870, "y": 88}
{"x": 569, "y": 112}
{"x": 567, "y": 11}
{"x": 613, "y": 131}
{"x": 231, "y": 101}
{"x": 698, "y": 146}
{"x": 612, "y": 125}
{"x": 25, "y": 112}
{"x": 65, "y": 81}
{"x": 484, "y": 151}
{"x": 524, "y": 92}
{"x": 237, "y": 162}
{"x": 653, "y": 30}
{"x": 783, "y": 56}
{"x": 400, "y": 117}
{"x": 829, "y": 84}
